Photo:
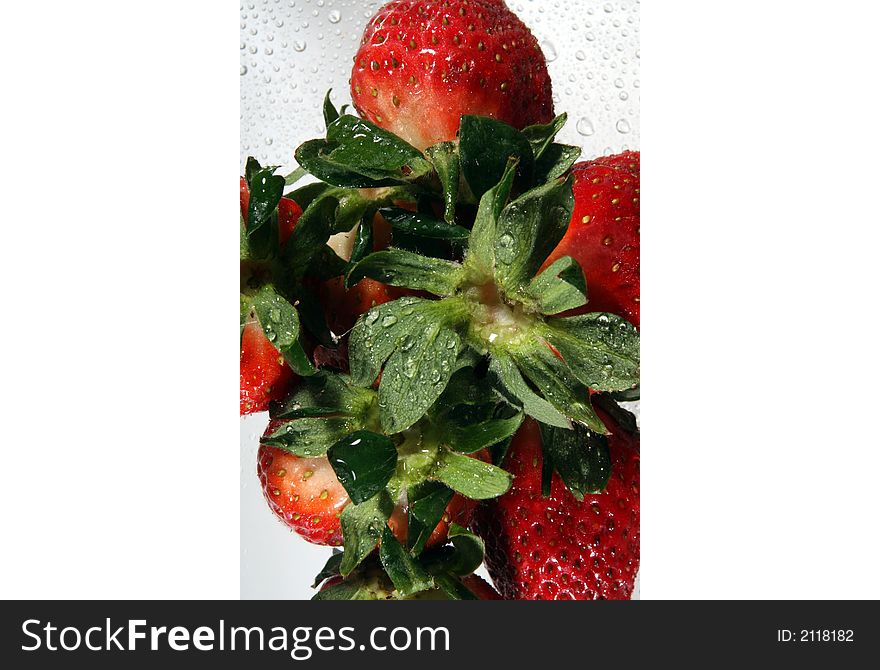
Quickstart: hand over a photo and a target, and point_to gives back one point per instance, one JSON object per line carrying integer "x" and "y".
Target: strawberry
{"x": 603, "y": 235}
{"x": 481, "y": 588}
{"x": 421, "y": 65}
{"x": 558, "y": 548}
{"x": 306, "y": 495}
{"x": 264, "y": 374}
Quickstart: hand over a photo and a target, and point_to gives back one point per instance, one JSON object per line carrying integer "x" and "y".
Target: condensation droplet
{"x": 334, "y": 16}
{"x": 549, "y": 51}
{"x": 242, "y": 70}
{"x": 623, "y": 126}
{"x": 585, "y": 126}
{"x": 299, "y": 45}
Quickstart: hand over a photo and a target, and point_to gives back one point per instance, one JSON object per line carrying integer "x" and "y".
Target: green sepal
{"x": 556, "y": 382}
{"x": 481, "y": 254}
{"x": 540, "y": 136}
{"x": 364, "y": 463}
{"x": 295, "y": 176}
{"x": 460, "y": 558}
{"x": 410, "y": 270}
{"x": 407, "y": 575}
{"x": 310, "y": 437}
{"x": 623, "y": 418}
{"x": 330, "y": 111}
{"x": 474, "y": 437}
{"x": 266, "y": 190}
{"x": 362, "y": 527}
{"x": 309, "y": 236}
{"x": 330, "y": 569}
{"x": 427, "y": 503}
{"x": 424, "y": 234}
{"x": 485, "y": 145}
{"x": 559, "y": 288}
{"x": 447, "y": 164}
{"x": 602, "y": 350}
{"x": 580, "y": 456}
{"x": 363, "y": 242}
{"x": 555, "y": 162}
{"x": 470, "y": 476}
{"x": 528, "y": 230}
{"x": 510, "y": 382}
{"x": 360, "y": 154}
{"x": 453, "y": 588}
{"x": 280, "y": 323}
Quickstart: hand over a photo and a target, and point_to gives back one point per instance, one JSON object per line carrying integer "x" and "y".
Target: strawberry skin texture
{"x": 264, "y": 374}
{"x": 303, "y": 492}
{"x": 603, "y": 235}
{"x": 421, "y": 65}
{"x": 558, "y": 548}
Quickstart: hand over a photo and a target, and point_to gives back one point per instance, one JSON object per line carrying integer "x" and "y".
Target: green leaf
{"x": 363, "y": 242}
{"x": 485, "y": 146}
{"x": 405, "y": 572}
{"x": 427, "y": 503}
{"x": 416, "y": 374}
{"x": 330, "y": 112}
{"x": 404, "y": 268}
{"x": 359, "y": 154}
{"x": 471, "y": 438}
{"x": 280, "y": 323}
{"x": 423, "y": 228}
{"x": 326, "y": 394}
{"x": 557, "y": 384}
{"x": 251, "y": 167}
{"x": 481, "y": 253}
{"x": 528, "y": 230}
{"x": 453, "y": 588}
{"x": 326, "y": 265}
{"x": 555, "y": 162}
{"x": 626, "y": 420}
{"x": 601, "y": 349}
{"x": 347, "y": 590}
{"x": 262, "y": 217}
{"x": 541, "y": 136}
{"x": 469, "y": 551}
{"x": 309, "y": 437}
{"x": 362, "y": 526}
{"x": 447, "y": 164}
{"x": 470, "y": 476}
{"x": 580, "y": 456}
{"x": 380, "y": 331}
{"x": 364, "y": 463}
{"x": 295, "y": 176}
{"x": 309, "y": 236}
{"x": 630, "y": 395}
{"x": 560, "y": 287}
{"x": 311, "y": 313}
{"x": 511, "y": 380}
{"x": 330, "y": 569}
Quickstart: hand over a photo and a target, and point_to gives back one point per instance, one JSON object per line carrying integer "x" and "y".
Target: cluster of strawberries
{"x": 443, "y": 325}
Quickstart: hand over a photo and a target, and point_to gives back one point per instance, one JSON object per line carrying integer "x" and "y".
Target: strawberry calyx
{"x": 419, "y": 469}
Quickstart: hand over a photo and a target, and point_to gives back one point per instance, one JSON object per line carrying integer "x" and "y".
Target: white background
{"x": 121, "y": 474}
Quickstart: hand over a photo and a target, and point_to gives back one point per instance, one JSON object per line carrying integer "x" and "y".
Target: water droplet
{"x": 580, "y": 55}
{"x": 299, "y": 45}
{"x": 334, "y": 16}
{"x": 549, "y": 51}
{"x": 505, "y": 250}
{"x": 371, "y": 318}
{"x": 435, "y": 376}
{"x": 623, "y": 126}
{"x": 585, "y": 126}
{"x": 389, "y": 321}
{"x": 242, "y": 70}
{"x": 608, "y": 7}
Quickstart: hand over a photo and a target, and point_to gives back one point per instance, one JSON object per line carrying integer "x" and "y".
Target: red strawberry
{"x": 307, "y": 496}
{"x": 423, "y": 64}
{"x": 481, "y": 588}
{"x": 558, "y": 548}
{"x": 264, "y": 374}
{"x": 303, "y": 492}
{"x": 288, "y": 211}
{"x": 604, "y": 233}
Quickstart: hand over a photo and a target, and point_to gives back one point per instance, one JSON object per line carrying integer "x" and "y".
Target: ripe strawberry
{"x": 303, "y": 492}
{"x": 481, "y": 588}
{"x": 264, "y": 374}
{"x": 306, "y": 495}
{"x": 558, "y": 548}
{"x": 604, "y": 233}
{"x": 422, "y": 64}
